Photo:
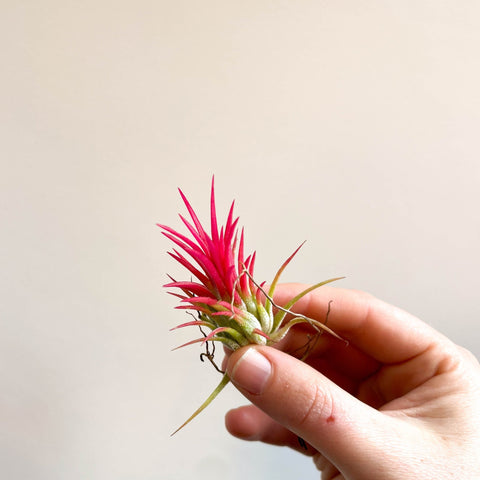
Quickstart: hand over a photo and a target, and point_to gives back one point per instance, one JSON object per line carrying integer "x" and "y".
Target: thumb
{"x": 345, "y": 430}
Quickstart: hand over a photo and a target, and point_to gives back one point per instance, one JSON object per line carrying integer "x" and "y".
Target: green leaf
{"x": 206, "y": 403}
{"x": 280, "y": 315}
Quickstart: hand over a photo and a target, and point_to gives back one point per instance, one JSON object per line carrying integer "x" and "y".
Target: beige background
{"x": 352, "y": 124}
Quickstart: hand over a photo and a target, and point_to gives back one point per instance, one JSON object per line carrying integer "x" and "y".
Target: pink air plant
{"x": 223, "y": 293}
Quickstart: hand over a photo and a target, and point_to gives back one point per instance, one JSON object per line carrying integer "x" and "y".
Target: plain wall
{"x": 353, "y": 125}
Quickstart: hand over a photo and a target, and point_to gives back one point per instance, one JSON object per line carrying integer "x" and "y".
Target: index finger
{"x": 384, "y": 332}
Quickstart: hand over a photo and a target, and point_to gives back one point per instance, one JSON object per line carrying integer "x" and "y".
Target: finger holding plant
{"x": 227, "y": 300}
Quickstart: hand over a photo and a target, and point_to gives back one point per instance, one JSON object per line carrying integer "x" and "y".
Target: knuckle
{"x": 320, "y": 408}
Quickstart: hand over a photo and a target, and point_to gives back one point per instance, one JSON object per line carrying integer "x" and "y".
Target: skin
{"x": 400, "y": 401}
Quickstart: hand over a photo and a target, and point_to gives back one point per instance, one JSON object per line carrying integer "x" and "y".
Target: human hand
{"x": 401, "y": 401}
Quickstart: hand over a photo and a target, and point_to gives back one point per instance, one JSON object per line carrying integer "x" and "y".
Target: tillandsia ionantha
{"x": 226, "y": 299}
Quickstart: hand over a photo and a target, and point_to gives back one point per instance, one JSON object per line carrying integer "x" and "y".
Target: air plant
{"x": 222, "y": 292}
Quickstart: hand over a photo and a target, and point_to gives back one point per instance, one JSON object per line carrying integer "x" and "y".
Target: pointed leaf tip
{"x": 206, "y": 403}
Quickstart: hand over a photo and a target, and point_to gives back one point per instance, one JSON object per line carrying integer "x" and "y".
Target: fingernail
{"x": 251, "y": 371}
